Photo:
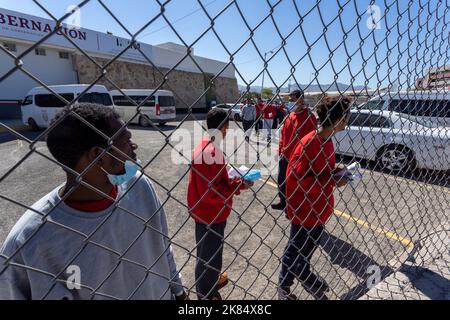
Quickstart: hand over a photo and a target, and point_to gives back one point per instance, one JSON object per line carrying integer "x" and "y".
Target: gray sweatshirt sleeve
{"x": 176, "y": 285}
{"x": 14, "y": 283}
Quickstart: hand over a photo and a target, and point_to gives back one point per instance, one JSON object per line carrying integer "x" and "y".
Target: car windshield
{"x": 372, "y": 105}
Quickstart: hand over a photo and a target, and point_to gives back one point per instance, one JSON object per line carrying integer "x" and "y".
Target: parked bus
{"x": 40, "y": 106}
{"x": 159, "y": 108}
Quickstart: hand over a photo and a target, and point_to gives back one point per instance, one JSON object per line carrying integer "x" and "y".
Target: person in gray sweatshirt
{"x": 248, "y": 118}
{"x": 103, "y": 233}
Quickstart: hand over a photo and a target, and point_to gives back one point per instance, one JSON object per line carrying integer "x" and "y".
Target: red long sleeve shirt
{"x": 210, "y": 190}
{"x": 310, "y": 182}
{"x": 296, "y": 126}
{"x": 259, "y": 109}
{"x": 270, "y": 112}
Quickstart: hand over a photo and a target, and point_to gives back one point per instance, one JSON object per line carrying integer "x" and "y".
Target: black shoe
{"x": 284, "y": 293}
{"x": 315, "y": 284}
{"x": 278, "y": 206}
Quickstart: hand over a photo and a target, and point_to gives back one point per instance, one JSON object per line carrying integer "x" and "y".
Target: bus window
{"x": 166, "y": 101}
{"x": 122, "y": 101}
{"x": 98, "y": 98}
{"x": 52, "y": 101}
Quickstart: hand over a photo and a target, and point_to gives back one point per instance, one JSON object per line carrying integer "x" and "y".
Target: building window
{"x": 40, "y": 52}
{"x": 10, "y": 46}
{"x": 64, "y": 55}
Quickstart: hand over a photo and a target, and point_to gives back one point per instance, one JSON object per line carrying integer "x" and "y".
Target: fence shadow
{"x": 345, "y": 255}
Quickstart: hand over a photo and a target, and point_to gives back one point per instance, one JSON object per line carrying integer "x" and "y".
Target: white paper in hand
{"x": 245, "y": 173}
{"x": 351, "y": 172}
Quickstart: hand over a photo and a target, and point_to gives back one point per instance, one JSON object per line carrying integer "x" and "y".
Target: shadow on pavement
{"x": 430, "y": 283}
{"x": 347, "y": 256}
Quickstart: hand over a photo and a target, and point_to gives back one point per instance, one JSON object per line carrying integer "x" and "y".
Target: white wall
{"x": 51, "y": 69}
{"x": 168, "y": 58}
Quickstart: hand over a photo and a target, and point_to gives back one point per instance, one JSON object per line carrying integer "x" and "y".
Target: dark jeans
{"x": 209, "y": 257}
{"x": 258, "y": 125}
{"x": 282, "y": 167}
{"x": 247, "y": 124}
{"x": 297, "y": 254}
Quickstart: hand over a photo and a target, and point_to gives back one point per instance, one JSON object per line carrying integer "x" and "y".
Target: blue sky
{"x": 400, "y": 65}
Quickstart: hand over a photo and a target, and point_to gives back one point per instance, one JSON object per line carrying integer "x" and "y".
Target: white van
{"x": 431, "y": 107}
{"x": 40, "y": 106}
{"x": 159, "y": 108}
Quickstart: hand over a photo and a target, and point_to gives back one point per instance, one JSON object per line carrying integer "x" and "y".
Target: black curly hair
{"x": 331, "y": 109}
{"x": 70, "y": 139}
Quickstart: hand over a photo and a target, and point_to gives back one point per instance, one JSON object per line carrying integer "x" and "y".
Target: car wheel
{"x": 396, "y": 159}
{"x": 144, "y": 121}
{"x": 237, "y": 117}
{"x": 33, "y": 124}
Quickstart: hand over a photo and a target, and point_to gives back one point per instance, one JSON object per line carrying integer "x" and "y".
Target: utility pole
{"x": 264, "y": 71}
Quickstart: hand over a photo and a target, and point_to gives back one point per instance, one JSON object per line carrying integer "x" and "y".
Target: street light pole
{"x": 264, "y": 71}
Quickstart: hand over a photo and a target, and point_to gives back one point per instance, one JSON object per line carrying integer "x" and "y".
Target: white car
{"x": 235, "y": 110}
{"x": 395, "y": 141}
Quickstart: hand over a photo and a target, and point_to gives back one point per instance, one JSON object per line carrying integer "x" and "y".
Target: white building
{"x": 58, "y": 61}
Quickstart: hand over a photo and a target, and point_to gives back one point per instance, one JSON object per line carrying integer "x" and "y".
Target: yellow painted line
{"x": 396, "y": 178}
{"x": 365, "y": 224}
{"x": 387, "y": 234}
{"x": 270, "y": 183}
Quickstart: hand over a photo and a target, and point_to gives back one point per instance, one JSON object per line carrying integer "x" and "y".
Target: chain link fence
{"x": 397, "y": 132}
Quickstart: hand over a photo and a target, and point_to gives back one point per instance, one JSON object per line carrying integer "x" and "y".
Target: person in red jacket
{"x": 269, "y": 114}
{"x": 311, "y": 178}
{"x": 297, "y": 125}
{"x": 210, "y": 199}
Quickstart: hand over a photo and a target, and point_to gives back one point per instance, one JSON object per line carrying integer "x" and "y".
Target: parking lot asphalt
{"x": 376, "y": 220}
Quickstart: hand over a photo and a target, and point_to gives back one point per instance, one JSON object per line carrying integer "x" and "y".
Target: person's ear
{"x": 93, "y": 154}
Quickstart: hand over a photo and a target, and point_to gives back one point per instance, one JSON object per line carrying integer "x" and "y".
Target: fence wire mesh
{"x": 392, "y": 219}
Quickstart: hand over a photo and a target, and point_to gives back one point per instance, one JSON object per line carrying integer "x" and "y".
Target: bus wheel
{"x": 144, "y": 122}
{"x": 33, "y": 124}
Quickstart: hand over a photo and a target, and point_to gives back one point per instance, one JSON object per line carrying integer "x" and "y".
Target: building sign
{"x": 25, "y": 27}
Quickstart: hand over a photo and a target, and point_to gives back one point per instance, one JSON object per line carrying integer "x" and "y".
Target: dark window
{"x": 98, "y": 98}
{"x": 27, "y": 101}
{"x": 421, "y": 108}
{"x": 52, "y": 101}
{"x": 40, "y": 52}
{"x": 357, "y": 119}
{"x": 373, "y": 105}
{"x": 166, "y": 101}
{"x": 366, "y": 120}
{"x": 64, "y": 55}
{"x": 122, "y": 101}
{"x": 10, "y": 46}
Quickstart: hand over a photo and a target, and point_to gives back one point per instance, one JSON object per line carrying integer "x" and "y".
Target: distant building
{"x": 435, "y": 78}
{"x": 57, "y": 61}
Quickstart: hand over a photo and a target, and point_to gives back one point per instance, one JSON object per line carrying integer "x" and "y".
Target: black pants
{"x": 258, "y": 125}
{"x": 209, "y": 257}
{"x": 297, "y": 254}
{"x": 282, "y": 167}
{"x": 247, "y": 124}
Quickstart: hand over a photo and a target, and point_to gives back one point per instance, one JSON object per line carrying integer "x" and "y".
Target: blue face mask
{"x": 131, "y": 169}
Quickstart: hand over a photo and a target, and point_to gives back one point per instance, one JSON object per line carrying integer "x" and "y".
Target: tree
{"x": 267, "y": 93}
{"x": 252, "y": 95}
